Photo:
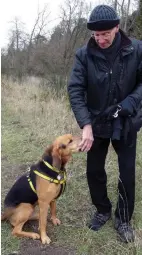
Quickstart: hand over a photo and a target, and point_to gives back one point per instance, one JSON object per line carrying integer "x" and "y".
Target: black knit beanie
{"x": 103, "y": 17}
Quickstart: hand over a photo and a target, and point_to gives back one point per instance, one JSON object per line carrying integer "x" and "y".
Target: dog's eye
{"x": 71, "y": 141}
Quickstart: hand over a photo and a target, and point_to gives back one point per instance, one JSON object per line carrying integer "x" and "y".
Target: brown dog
{"x": 40, "y": 186}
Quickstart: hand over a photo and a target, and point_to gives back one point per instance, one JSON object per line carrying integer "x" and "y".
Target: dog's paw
{"x": 55, "y": 221}
{"x": 45, "y": 240}
{"x": 35, "y": 236}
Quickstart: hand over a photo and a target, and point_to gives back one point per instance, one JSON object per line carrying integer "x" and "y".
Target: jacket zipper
{"x": 110, "y": 72}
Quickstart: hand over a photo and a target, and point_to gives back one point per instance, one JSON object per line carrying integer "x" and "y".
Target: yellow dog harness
{"x": 61, "y": 177}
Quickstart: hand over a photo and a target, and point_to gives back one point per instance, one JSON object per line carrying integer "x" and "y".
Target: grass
{"x": 32, "y": 116}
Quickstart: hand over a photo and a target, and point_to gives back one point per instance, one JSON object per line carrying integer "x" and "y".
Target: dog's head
{"x": 62, "y": 148}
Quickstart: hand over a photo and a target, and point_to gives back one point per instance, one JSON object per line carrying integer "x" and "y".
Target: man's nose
{"x": 101, "y": 40}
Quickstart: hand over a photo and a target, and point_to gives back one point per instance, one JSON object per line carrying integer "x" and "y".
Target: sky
{"x": 26, "y": 10}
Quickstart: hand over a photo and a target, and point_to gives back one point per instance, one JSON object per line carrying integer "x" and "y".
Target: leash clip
{"x": 115, "y": 115}
{"x": 28, "y": 172}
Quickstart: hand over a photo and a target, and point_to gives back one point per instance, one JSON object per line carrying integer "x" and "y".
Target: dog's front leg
{"x": 54, "y": 218}
{"x": 43, "y": 211}
{"x": 46, "y": 192}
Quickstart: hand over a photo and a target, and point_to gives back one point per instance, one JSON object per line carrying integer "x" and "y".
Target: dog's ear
{"x": 62, "y": 146}
{"x": 54, "y": 152}
{"x": 56, "y": 162}
{"x": 64, "y": 157}
{"x": 56, "y": 156}
{"x": 48, "y": 151}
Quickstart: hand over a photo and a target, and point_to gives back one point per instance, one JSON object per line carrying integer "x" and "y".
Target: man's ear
{"x": 117, "y": 28}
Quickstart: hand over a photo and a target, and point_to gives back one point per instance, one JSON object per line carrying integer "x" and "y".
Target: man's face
{"x": 105, "y": 38}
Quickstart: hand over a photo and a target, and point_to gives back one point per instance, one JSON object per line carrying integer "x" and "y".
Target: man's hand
{"x": 87, "y": 138}
{"x": 127, "y": 108}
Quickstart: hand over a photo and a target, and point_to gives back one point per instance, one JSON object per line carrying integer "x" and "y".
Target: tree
{"x": 138, "y": 23}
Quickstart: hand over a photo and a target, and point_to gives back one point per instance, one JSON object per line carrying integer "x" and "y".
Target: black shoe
{"x": 124, "y": 230}
{"x": 99, "y": 220}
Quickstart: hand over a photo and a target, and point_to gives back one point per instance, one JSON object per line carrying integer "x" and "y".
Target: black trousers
{"x": 97, "y": 178}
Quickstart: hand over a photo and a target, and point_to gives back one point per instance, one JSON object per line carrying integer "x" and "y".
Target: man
{"x": 105, "y": 91}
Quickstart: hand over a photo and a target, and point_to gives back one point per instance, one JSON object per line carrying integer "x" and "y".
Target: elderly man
{"x": 105, "y": 91}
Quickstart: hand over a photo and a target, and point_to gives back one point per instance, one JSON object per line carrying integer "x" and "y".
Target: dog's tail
{"x": 7, "y": 213}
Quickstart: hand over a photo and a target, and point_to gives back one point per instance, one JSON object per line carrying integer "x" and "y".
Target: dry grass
{"x": 32, "y": 116}
{"x": 39, "y": 107}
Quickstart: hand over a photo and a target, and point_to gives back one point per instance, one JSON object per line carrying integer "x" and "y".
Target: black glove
{"x": 127, "y": 108}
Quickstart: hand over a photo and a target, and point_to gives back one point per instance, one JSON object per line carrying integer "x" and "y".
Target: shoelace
{"x": 126, "y": 230}
{"x": 100, "y": 217}
{"x": 125, "y": 227}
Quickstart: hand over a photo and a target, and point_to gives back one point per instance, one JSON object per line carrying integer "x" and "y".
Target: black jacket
{"x": 94, "y": 85}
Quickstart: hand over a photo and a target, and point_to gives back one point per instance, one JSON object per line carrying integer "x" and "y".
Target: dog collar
{"x": 51, "y": 167}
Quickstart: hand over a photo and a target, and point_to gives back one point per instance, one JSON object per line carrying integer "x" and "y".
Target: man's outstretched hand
{"x": 87, "y": 138}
